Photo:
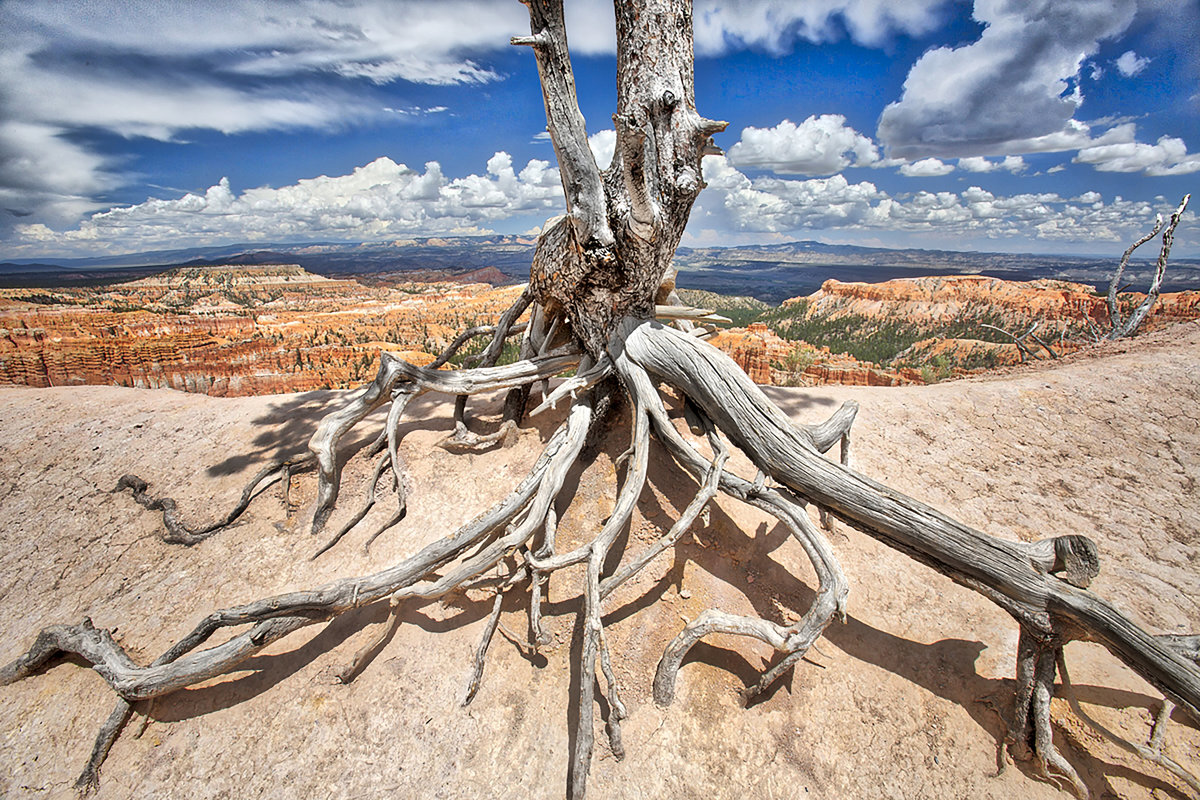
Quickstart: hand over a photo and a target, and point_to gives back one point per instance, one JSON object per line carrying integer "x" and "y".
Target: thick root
{"x": 515, "y": 542}
{"x": 792, "y": 642}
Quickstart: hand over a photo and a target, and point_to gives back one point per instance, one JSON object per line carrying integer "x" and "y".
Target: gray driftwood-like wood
{"x": 600, "y": 276}
{"x": 1019, "y": 341}
{"x": 1118, "y": 327}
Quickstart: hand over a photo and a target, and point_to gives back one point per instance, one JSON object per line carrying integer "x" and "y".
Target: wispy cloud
{"x": 44, "y": 174}
{"x": 143, "y": 68}
{"x": 410, "y": 40}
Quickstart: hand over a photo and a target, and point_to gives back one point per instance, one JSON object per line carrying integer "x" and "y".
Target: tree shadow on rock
{"x": 286, "y": 427}
{"x": 944, "y": 668}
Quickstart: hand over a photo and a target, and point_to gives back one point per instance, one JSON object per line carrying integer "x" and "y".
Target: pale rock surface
{"x": 899, "y": 702}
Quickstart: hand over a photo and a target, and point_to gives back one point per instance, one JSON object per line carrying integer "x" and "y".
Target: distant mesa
{"x": 770, "y": 272}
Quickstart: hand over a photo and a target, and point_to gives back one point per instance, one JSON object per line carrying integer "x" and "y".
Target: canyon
{"x": 232, "y": 331}
{"x": 242, "y": 330}
{"x": 921, "y": 330}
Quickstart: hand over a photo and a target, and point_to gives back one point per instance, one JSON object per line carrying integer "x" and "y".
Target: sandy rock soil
{"x": 901, "y": 701}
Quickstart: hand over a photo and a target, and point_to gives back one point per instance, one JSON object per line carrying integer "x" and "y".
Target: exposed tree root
{"x": 514, "y": 543}
{"x": 178, "y": 532}
{"x": 600, "y": 274}
{"x": 489, "y": 630}
{"x": 89, "y": 780}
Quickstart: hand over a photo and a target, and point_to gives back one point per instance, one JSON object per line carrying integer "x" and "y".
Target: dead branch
{"x": 1118, "y": 328}
{"x": 1019, "y": 341}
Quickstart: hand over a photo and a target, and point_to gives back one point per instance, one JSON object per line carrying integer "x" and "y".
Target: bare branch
{"x": 581, "y": 180}
{"x": 1114, "y": 285}
{"x": 1019, "y": 341}
{"x": 1130, "y": 326}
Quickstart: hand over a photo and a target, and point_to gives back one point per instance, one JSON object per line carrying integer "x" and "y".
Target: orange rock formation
{"x": 939, "y": 298}
{"x": 248, "y": 330}
{"x": 769, "y": 359}
{"x": 232, "y": 331}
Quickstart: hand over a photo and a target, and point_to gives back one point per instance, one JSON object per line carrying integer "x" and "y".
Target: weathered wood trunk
{"x": 607, "y": 257}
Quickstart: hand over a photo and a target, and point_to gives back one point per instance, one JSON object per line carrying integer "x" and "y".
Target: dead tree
{"x": 1019, "y": 341}
{"x": 600, "y": 277}
{"x": 1118, "y": 327}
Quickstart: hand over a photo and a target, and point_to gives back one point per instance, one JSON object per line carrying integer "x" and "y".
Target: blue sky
{"x": 1010, "y": 125}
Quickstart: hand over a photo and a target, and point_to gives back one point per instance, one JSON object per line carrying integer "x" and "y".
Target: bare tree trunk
{"x": 607, "y": 257}
{"x": 600, "y": 276}
{"x": 1119, "y": 328}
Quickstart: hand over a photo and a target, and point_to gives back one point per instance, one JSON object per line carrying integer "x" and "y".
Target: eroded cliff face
{"x": 251, "y": 330}
{"x": 936, "y": 328}
{"x": 232, "y": 331}
{"x": 772, "y": 360}
{"x": 1056, "y": 304}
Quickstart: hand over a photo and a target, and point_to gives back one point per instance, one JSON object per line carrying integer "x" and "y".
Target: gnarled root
{"x": 399, "y": 382}
{"x": 1037, "y": 660}
{"x": 514, "y": 543}
{"x": 178, "y": 532}
{"x": 1039, "y": 585}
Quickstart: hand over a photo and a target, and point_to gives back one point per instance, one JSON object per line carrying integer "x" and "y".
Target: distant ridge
{"x": 769, "y": 272}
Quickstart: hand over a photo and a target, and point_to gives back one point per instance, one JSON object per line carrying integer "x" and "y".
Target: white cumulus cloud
{"x": 817, "y": 146}
{"x": 1014, "y": 90}
{"x": 792, "y": 208}
{"x": 1130, "y": 63}
{"x": 1169, "y": 156}
{"x": 603, "y": 144}
{"x": 1013, "y": 164}
{"x": 379, "y": 200}
{"x": 926, "y": 168}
